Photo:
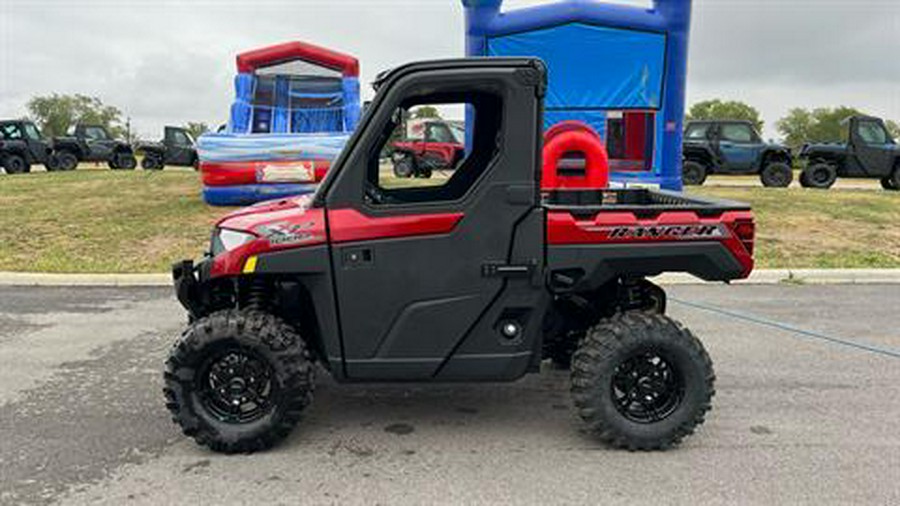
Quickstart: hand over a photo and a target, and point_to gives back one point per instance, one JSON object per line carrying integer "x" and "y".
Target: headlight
{"x": 227, "y": 240}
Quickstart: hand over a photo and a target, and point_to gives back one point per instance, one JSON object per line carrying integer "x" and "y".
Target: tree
{"x": 55, "y": 113}
{"x": 426, "y": 111}
{"x": 196, "y": 129}
{"x": 894, "y": 129}
{"x": 824, "y": 124}
{"x": 718, "y": 109}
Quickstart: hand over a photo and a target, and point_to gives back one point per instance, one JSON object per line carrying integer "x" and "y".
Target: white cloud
{"x": 165, "y": 61}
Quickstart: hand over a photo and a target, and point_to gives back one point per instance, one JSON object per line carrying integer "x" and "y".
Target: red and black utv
{"x": 477, "y": 277}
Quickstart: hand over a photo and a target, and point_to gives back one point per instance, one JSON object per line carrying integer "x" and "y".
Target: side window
{"x": 736, "y": 132}
{"x": 871, "y": 132}
{"x": 178, "y": 137}
{"x": 32, "y": 132}
{"x": 11, "y": 132}
{"x": 404, "y": 170}
{"x": 697, "y": 132}
{"x": 95, "y": 133}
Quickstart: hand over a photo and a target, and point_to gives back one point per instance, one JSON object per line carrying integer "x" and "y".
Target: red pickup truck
{"x": 429, "y": 144}
{"x": 478, "y": 277}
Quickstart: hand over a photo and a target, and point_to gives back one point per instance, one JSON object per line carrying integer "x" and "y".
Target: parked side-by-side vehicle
{"x": 475, "y": 277}
{"x": 870, "y": 152}
{"x": 22, "y": 145}
{"x": 733, "y": 147}
{"x": 92, "y": 143}
{"x": 177, "y": 147}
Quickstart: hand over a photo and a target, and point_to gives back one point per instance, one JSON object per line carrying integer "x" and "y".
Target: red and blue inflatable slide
{"x": 294, "y": 109}
{"x": 617, "y": 69}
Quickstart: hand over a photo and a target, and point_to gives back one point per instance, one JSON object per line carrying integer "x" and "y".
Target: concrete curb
{"x": 759, "y": 277}
{"x": 800, "y": 277}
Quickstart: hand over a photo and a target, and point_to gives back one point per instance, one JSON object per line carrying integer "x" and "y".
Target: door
{"x": 738, "y": 146}
{"x": 872, "y": 147}
{"x": 179, "y": 147}
{"x": 426, "y": 270}
{"x": 100, "y": 145}
{"x": 37, "y": 147}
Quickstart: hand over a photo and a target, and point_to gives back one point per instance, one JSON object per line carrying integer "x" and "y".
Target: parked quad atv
{"x": 92, "y": 143}
{"x": 870, "y": 152}
{"x": 471, "y": 279}
{"x": 430, "y": 145}
{"x": 22, "y": 145}
{"x": 733, "y": 147}
{"x": 176, "y": 148}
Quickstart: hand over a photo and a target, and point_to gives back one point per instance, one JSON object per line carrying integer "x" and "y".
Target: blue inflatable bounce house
{"x": 295, "y": 106}
{"x": 619, "y": 69}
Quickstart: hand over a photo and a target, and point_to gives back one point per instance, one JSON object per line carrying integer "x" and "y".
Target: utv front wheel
{"x": 15, "y": 164}
{"x": 238, "y": 381}
{"x": 67, "y": 161}
{"x": 777, "y": 175}
{"x": 819, "y": 175}
{"x": 693, "y": 173}
{"x": 641, "y": 381}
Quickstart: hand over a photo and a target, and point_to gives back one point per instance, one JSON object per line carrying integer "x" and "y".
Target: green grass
{"x": 111, "y": 221}
{"x": 799, "y": 228}
{"x": 102, "y": 221}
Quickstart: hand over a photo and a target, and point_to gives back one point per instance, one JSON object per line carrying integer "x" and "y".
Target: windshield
{"x": 459, "y": 133}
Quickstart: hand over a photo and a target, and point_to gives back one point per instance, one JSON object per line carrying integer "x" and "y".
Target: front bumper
{"x": 188, "y": 279}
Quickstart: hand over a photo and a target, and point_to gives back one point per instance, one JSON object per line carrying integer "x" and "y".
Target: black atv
{"x": 870, "y": 152}
{"x": 176, "y": 148}
{"x": 733, "y": 147}
{"x": 92, "y": 143}
{"x": 22, "y": 145}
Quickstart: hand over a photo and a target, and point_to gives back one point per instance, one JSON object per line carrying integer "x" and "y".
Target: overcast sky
{"x": 167, "y": 62}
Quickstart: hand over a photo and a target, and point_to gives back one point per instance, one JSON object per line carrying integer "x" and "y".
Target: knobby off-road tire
{"x": 892, "y": 182}
{"x": 626, "y": 365}
{"x": 404, "y": 167}
{"x": 204, "y": 381}
{"x": 151, "y": 163}
{"x": 67, "y": 160}
{"x": 819, "y": 175}
{"x": 777, "y": 175}
{"x": 16, "y": 164}
{"x": 693, "y": 173}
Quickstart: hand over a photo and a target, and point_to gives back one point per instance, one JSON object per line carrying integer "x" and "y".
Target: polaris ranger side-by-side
{"x": 177, "y": 147}
{"x": 468, "y": 278}
{"x": 733, "y": 147}
{"x": 92, "y": 143}
{"x": 22, "y": 145}
{"x": 870, "y": 152}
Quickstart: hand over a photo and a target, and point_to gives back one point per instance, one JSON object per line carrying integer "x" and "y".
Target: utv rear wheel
{"x": 820, "y": 175}
{"x": 126, "y": 162}
{"x": 67, "y": 160}
{"x": 777, "y": 175}
{"x": 888, "y": 184}
{"x": 52, "y": 163}
{"x": 641, "y": 381}
{"x": 404, "y": 167}
{"x": 238, "y": 381}
{"x": 15, "y": 164}
{"x": 151, "y": 163}
{"x": 693, "y": 173}
{"x": 894, "y": 179}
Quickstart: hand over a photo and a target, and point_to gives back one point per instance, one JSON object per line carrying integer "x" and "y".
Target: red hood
{"x": 247, "y": 219}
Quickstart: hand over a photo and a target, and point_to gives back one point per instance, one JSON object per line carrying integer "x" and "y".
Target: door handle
{"x": 501, "y": 270}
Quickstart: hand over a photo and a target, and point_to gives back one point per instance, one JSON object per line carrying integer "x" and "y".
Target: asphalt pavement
{"x": 806, "y": 412}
